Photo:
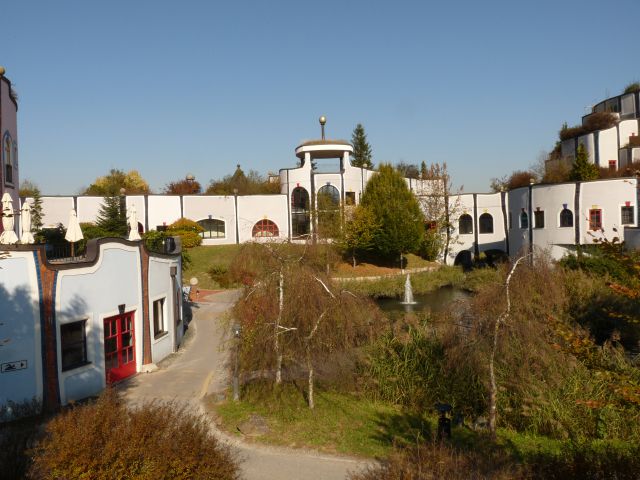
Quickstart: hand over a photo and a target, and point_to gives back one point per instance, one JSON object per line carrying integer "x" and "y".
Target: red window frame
{"x": 595, "y": 219}
{"x": 265, "y": 228}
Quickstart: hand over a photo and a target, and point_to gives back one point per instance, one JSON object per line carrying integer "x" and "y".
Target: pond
{"x": 440, "y": 300}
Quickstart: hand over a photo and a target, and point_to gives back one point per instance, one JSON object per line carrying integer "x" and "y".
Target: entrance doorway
{"x": 119, "y": 347}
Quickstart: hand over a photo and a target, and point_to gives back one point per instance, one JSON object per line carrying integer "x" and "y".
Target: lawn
{"x": 345, "y": 268}
{"x": 203, "y": 258}
{"x": 340, "y": 423}
{"x": 352, "y": 425}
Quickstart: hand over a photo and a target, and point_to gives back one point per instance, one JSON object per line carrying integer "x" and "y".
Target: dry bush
{"x": 519, "y": 179}
{"x": 312, "y": 321}
{"x": 106, "y": 440}
{"x": 439, "y": 461}
{"x": 600, "y": 121}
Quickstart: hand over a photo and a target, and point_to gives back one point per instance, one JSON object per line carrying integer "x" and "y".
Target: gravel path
{"x": 198, "y": 370}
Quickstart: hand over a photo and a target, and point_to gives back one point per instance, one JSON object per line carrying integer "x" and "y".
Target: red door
{"x": 119, "y": 347}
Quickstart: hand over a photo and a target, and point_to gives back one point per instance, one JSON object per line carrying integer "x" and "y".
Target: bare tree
{"x": 502, "y": 319}
{"x": 440, "y": 204}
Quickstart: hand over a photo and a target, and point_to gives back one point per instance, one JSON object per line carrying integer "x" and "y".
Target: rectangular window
{"x": 73, "y": 344}
{"x": 350, "y": 198}
{"x": 538, "y": 216}
{"x": 595, "y": 219}
{"x": 158, "y": 318}
{"x": 626, "y": 215}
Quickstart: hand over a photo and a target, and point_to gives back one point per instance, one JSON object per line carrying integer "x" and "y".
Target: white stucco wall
{"x": 252, "y": 208}
{"x": 609, "y": 196}
{"x": 219, "y": 207}
{"x": 518, "y": 237}
{"x": 163, "y": 209}
{"x": 20, "y": 329}
{"x": 56, "y": 210}
{"x": 608, "y": 146}
{"x": 490, "y": 203}
{"x": 626, "y": 129}
{"x": 89, "y": 208}
{"x": 588, "y": 142}
{"x": 551, "y": 199}
{"x": 161, "y": 287}
{"x": 460, "y": 205}
{"x": 94, "y": 293}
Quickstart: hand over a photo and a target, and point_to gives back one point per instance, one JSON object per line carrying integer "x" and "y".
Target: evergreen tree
{"x": 396, "y": 211}
{"x": 582, "y": 168}
{"x": 36, "y": 211}
{"x": 111, "y": 218}
{"x": 423, "y": 171}
{"x": 361, "y": 148}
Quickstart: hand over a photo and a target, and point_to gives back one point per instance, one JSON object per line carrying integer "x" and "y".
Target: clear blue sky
{"x": 169, "y": 88}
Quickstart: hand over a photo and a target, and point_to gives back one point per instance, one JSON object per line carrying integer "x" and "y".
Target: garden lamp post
{"x": 123, "y": 204}
{"x": 237, "y": 330}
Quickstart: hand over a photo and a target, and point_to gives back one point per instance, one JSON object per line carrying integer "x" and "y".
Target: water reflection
{"x": 441, "y": 300}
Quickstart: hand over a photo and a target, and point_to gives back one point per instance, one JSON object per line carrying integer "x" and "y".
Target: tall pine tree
{"x": 583, "y": 169}
{"x": 361, "y": 148}
{"x": 110, "y": 217}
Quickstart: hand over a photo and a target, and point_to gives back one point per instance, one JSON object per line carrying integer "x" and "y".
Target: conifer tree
{"x": 397, "y": 212}
{"x": 423, "y": 171}
{"x": 36, "y": 211}
{"x": 583, "y": 169}
{"x": 361, "y": 148}
{"x": 110, "y": 217}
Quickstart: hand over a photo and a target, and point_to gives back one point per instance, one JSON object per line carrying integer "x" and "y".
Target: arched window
{"x": 328, "y": 195}
{"x": 300, "y": 216}
{"x": 485, "y": 223}
{"x": 299, "y": 199}
{"x": 265, "y": 228}
{"x": 566, "y": 218}
{"x": 7, "y": 153}
{"x": 213, "y": 228}
{"x": 465, "y": 224}
{"x": 524, "y": 220}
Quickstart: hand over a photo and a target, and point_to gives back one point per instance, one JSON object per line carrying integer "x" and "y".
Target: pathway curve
{"x": 198, "y": 369}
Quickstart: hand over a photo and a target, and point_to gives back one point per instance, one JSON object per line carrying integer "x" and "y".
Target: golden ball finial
{"x": 2, "y": 70}
{"x": 323, "y": 120}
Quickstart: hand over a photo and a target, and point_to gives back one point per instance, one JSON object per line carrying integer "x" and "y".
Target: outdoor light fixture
{"x": 237, "y": 329}
{"x": 121, "y": 308}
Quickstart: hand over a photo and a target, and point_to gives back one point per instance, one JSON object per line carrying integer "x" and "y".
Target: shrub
{"x": 589, "y": 461}
{"x": 21, "y": 427}
{"x": 632, "y": 87}
{"x": 418, "y": 371}
{"x": 105, "y": 439}
{"x": 433, "y": 461}
{"x": 599, "y": 121}
{"x": 91, "y": 230}
{"x": 220, "y": 275}
{"x": 189, "y": 238}
{"x": 595, "y": 121}
{"x": 186, "y": 225}
{"x": 570, "y": 132}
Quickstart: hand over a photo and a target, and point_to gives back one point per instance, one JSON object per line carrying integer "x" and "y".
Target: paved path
{"x": 198, "y": 370}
